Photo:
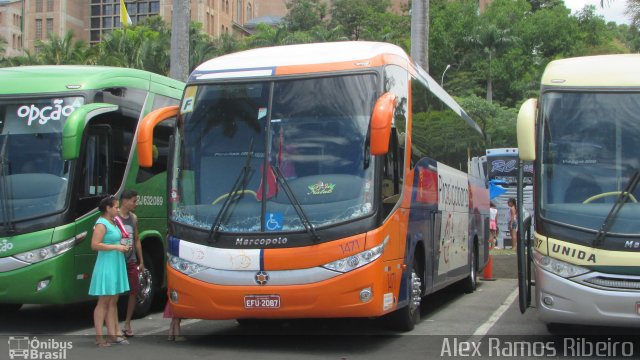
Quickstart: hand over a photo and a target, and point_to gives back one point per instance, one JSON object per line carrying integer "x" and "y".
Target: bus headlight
{"x": 558, "y": 267}
{"x": 358, "y": 260}
{"x": 47, "y": 252}
{"x": 184, "y": 266}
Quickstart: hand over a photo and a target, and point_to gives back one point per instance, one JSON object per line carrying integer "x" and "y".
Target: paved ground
{"x": 505, "y": 264}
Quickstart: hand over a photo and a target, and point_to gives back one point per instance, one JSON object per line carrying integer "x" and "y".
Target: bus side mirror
{"x": 75, "y": 125}
{"x": 381, "y": 123}
{"x": 145, "y": 133}
{"x": 526, "y": 130}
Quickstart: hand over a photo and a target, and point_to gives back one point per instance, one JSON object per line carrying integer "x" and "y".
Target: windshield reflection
{"x": 313, "y": 132}
{"x": 589, "y": 154}
{"x": 34, "y": 175}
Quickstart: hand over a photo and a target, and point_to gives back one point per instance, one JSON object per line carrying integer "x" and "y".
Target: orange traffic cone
{"x": 487, "y": 274}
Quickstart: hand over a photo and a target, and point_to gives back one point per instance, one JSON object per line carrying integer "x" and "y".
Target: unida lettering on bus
{"x": 573, "y": 252}
{"x": 261, "y": 241}
{"x": 43, "y": 114}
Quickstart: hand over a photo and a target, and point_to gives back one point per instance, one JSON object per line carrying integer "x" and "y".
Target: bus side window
{"x": 96, "y": 180}
{"x": 391, "y": 180}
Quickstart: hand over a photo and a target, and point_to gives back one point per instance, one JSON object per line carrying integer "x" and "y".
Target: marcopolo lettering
{"x": 574, "y": 253}
{"x": 632, "y": 244}
{"x": 261, "y": 242}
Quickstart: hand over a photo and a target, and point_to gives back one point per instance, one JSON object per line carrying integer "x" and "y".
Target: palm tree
{"x": 492, "y": 41}
{"x": 26, "y": 59}
{"x": 267, "y": 35}
{"x": 58, "y": 50}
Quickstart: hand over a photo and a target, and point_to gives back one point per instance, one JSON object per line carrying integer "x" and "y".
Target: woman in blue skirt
{"x": 109, "y": 278}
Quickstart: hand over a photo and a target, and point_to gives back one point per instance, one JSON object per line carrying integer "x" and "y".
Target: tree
{"x": 201, "y": 48}
{"x": 633, "y": 11}
{"x": 137, "y": 47}
{"x": 492, "y": 41}
{"x": 352, "y": 14}
{"x": 62, "y": 50}
{"x": 304, "y": 15}
{"x": 3, "y": 43}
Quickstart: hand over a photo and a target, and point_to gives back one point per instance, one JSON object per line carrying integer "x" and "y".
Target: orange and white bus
{"x": 302, "y": 185}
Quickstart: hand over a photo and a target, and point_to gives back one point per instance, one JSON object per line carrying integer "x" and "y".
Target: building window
{"x": 38, "y": 29}
{"x": 49, "y": 5}
{"x": 107, "y": 10}
{"x": 226, "y": 6}
{"x": 39, "y": 5}
{"x": 239, "y": 11}
{"x": 20, "y": 42}
{"x": 49, "y": 26}
{"x": 249, "y": 12}
{"x": 154, "y": 7}
{"x": 107, "y": 22}
{"x": 13, "y": 42}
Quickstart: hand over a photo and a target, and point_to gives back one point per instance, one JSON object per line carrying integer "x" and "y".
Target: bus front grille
{"x": 615, "y": 283}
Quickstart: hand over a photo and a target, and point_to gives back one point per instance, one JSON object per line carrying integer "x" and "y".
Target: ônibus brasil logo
{"x": 24, "y": 347}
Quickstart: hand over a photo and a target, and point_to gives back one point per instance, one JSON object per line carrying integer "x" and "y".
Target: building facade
{"x": 91, "y": 20}
{"x": 10, "y": 27}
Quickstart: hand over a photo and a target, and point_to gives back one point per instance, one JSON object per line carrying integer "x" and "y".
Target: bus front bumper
{"x": 563, "y": 301}
{"x": 52, "y": 281}
{"x": 339, "y": 296}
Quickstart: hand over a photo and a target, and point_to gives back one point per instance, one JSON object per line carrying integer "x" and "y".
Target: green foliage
{"x": 354, "y": 15}
{"x": 304, "y": 15}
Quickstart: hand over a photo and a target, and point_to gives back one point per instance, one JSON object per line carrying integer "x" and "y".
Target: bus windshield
{"x": 34, "y": 178}
{"x": 590, "y": 153}
{"x": 242, "y": 146}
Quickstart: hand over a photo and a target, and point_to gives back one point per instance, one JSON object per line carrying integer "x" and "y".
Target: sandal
{"x": 120, "y": 341}
{"x": 102, "y": 344}
{"x": 171, "y": 338}
{"x": 180, "y": 338}
{"x": 127, "y": 333}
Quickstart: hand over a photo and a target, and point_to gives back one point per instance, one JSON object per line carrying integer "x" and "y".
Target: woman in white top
{"x": 493, "y": 225}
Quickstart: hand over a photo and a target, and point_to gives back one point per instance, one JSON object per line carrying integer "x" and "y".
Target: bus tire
{"x": 147, "y": 288}
{"x": 470, "y": 283}
{"x": 405, "y": 318}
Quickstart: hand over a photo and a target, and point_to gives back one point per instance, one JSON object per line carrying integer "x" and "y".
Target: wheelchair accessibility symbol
{"x": 273, "y": 221}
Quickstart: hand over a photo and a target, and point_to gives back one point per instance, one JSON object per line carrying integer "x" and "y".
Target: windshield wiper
{"x": 6, "y": 208}
{"x": 622, "y": 199}
{"x": 241, "y": 179}
{"x": 304, "y": 219}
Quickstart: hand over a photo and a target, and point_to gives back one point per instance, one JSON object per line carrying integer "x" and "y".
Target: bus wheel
{"x": 406, "y": 318}
{"x": 470, "y": 283}
{"x": 9, "y": 309}
{"x": 147, "y": 287}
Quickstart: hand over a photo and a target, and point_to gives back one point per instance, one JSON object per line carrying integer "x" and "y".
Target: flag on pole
{"x": 125, "y": 20}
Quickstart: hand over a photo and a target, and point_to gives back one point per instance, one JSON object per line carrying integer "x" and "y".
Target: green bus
{"x": 67, "y": 138}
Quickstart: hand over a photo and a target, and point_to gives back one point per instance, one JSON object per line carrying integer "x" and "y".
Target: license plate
{"x": 262, "y": 301}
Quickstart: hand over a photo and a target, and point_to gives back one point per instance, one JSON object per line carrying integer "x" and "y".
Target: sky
{"x": 613, "y": 10}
